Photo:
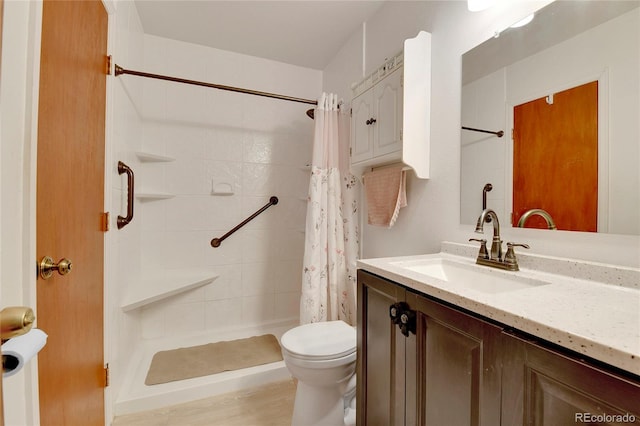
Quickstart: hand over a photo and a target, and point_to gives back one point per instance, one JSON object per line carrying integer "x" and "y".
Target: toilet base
{"x": 318, "y": 405}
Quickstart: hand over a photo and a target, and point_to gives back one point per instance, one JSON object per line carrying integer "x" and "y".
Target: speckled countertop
{"x": 590, "y": 308}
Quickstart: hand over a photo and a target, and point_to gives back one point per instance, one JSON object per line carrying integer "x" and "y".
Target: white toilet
{"x": 322, "y": 356}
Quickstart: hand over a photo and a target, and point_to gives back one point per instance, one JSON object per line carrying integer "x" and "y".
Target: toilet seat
{"x": 320, "y": 341}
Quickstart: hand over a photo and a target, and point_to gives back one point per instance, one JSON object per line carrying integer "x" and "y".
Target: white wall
{"x": 484, "y": 157}
{"x": 433, "y": 213}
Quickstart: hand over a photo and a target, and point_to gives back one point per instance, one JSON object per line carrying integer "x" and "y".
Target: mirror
{"x": 567, "y": 45}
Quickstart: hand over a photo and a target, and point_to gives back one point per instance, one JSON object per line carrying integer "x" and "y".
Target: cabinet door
{"x": 361, "y": 127}
{"x": 545, "y": 387}
{"x": 387, "y": 98}
{"x": 381, "y": 354}
{"x": 453, "y": 367}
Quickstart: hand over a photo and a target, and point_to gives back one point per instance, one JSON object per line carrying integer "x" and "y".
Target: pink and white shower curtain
{"x": 331, "y": 234}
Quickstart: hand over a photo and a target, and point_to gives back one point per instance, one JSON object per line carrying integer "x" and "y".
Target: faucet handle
{"x": 483, "y": 248}
{"x": 510, "y": 256}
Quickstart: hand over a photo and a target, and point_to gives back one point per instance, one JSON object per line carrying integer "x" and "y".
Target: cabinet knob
{"x": 371, "y": 121}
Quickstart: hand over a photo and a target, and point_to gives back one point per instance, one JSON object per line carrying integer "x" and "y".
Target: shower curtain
{"x": 331, "y": 234}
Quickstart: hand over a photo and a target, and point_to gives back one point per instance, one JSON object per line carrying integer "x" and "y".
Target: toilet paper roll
{"x": 16, "y": 352}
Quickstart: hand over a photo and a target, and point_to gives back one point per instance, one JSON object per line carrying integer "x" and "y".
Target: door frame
{"x": 603, "y": 142}
{"x": 19, "y": 135}
{"x": 23, "y": 22}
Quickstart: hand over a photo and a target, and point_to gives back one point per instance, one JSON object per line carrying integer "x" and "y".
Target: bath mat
{"x": 196, "y": 361}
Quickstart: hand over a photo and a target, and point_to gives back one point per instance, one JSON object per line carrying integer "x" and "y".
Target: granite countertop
{"x": 590, "y": 308}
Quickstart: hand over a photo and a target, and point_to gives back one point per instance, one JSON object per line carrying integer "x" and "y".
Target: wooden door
{"x": 555, "y": 159}
{"x": 70, "y": 194}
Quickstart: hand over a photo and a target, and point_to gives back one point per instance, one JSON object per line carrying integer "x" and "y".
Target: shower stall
{"x": 204, "y": 160}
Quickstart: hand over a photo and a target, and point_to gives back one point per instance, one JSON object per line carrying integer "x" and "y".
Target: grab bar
{"x": 217, "y": 241}
{"x": 123, "y": 221}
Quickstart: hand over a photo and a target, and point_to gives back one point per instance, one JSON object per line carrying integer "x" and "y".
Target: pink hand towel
{"x": 386, "y": 195}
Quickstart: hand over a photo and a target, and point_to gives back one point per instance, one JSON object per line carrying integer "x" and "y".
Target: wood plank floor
{"x": 267, "y": 405}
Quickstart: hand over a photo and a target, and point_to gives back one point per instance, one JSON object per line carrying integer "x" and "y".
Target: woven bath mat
{"x": 196, "y": 361}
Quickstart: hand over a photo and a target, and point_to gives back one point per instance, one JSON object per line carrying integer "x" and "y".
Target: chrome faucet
{"x": 494, "y": 258}
{"x": 539, "y": 212}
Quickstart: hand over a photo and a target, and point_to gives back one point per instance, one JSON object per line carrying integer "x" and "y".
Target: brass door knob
{"x": 15, "y": 321}
{"x": 47, "y": 266}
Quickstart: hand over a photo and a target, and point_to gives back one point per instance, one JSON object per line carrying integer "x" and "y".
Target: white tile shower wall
{"x": 258, "y": 146}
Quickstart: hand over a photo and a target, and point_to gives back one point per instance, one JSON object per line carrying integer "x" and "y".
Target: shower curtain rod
{"x": 119, "y": 71}
{"x": 499, "y": 133}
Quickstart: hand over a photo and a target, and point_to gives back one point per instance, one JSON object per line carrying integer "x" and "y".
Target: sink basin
{"x": 476, "y": 277}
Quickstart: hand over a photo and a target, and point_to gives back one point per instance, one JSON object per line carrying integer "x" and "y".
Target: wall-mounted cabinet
{"x": 390, "y": 111}
{"x": 376, "y": 121}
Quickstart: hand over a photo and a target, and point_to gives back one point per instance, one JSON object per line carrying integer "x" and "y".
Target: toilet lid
{"x": 331, "y": 339}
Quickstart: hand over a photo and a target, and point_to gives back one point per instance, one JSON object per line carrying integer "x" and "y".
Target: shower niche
{"x": 147, "y": 157}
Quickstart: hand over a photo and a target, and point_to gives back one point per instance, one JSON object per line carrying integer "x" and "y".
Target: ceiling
{"x": 306, "y": 33}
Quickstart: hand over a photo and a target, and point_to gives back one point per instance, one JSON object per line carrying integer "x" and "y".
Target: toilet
{"x": 322, "y": 356}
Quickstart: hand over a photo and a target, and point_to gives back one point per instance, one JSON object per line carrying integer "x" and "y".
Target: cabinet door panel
{"x": 458, "y": 367}
{"x": 452, "y": 375}
{"x": 381, "y": 354}
{"x": 552, "y": 389}
{"x": 388, "y": 113}
{"x": 361, "y": 132}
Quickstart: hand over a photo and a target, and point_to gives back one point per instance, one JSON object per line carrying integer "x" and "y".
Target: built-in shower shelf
{"x": 150, "y": 196}
{"x": 147, "y": 157}
{"x": 164, "y": 284}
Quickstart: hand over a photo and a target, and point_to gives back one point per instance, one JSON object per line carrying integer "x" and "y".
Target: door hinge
{"x": 104, "y": 222}
{"x": 108, "y": 64}
{"x": 106, "y": 375}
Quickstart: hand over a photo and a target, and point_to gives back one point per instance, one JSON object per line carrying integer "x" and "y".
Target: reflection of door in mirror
{"x": 555, "y": 159}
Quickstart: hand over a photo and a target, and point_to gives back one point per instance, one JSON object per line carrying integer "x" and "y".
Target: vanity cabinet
{"x": 456, "y": 368}
{"x": 376, "y": 120}
{"x": 446, "y": 371}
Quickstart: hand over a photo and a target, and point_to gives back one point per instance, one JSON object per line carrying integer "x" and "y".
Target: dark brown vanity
{"x": 454, "y": 367}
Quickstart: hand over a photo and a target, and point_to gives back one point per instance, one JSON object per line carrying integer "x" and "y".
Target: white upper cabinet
{"x": 390, "y": 111}
{"x": 376, "y": 120}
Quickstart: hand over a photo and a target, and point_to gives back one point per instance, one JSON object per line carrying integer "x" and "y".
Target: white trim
{"x": 108, "y": 315}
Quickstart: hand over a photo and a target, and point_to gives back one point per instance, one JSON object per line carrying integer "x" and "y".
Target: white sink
{"x": 477, "y": 277}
